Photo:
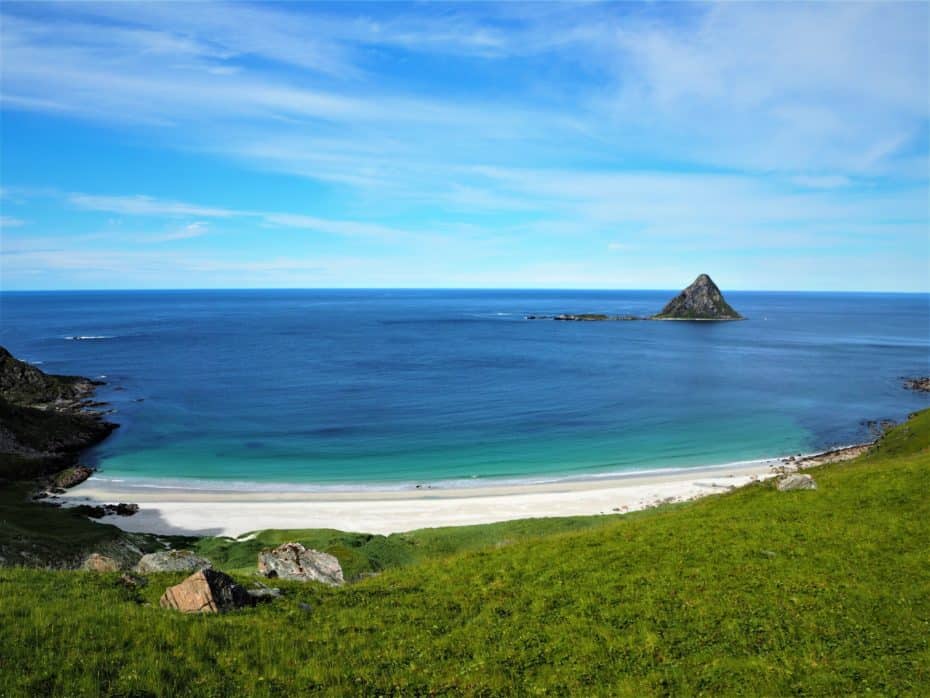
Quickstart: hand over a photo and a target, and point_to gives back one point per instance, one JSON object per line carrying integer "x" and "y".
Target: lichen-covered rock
{"x": 702, "y": 300}
{"x": 206, "y": 591}
{"x": 171, "y": 561}
{"x": 72, "y": 476}
{"x": 795, "y": 481}
{"x": 294, "y": 561}
{"x": 95, "y": 562}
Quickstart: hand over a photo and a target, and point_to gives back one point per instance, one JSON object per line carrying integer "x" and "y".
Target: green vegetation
{"x": 42, "y": 535}
{"x": 755, "y": 592}
{"x": 361, "y": 554}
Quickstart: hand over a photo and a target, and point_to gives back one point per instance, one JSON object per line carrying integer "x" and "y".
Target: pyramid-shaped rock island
{"x": 702, "y": 300}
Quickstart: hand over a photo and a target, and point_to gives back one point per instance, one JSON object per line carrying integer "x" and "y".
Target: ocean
{"x": 394, "y": 388}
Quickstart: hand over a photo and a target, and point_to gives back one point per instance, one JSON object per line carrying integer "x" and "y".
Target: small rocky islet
{"x": 701, "y": 301}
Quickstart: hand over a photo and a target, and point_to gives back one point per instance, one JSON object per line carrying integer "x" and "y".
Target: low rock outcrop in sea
{"x": 294, "y": 561}
{"x": 172, "y": 561}
{"x": 921, "y": 384}
{"x": 206, "y": 591}
{"x": 702, "y": 300}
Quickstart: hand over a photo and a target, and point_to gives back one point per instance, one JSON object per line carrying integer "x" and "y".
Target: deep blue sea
{"x": 358, "y": 387}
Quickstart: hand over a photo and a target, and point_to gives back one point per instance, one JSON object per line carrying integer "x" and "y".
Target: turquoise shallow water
{"x": 363, "y": 387}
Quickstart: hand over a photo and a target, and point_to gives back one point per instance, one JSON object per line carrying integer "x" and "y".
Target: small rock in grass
{"x": 795, "y": 481}
{"x": 131, "y": 581}
{"x": 171, "y": 561}
{"x": 95, "y": 562}
{"x": 260, "y": 592}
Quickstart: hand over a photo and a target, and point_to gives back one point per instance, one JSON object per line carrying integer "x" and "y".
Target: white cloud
{"x": 10, "y": 222}
{"x": 146, "y": 206}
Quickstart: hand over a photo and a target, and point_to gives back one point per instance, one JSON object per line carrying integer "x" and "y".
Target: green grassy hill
{"x": 755, "y": 592}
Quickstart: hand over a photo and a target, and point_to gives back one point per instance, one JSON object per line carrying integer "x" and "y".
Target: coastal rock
{"x": 206, "y": 591}
{"x": 171, "y": 561}
{"x": 122, "y": 509}
{"x": 702, "y": 300}
{"x": 294, "y": 561}
{"x": 72, "y": 476}
{"x": 920, "y": 384}
{"x": 95, "y": 562}
{"x": 795, "y": 481}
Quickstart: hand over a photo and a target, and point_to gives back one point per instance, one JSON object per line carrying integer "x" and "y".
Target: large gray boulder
{"x": 171, "y": 561}
{"x": 294, "y": 561}
{"x": 795, "y": 481}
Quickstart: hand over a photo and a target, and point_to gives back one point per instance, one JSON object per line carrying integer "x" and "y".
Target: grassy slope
{"x": 363, "y": 553}
{"x": 40, "y": 535}
{"x": 754, "y": 592}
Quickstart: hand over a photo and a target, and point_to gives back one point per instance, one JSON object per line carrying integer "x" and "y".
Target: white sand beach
{"x": 230, "y": 512}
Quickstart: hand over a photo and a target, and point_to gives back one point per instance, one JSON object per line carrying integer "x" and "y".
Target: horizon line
{"x": 438, "y": 288}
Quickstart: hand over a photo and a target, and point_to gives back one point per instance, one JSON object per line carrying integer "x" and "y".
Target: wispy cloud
{"x": 140, "y": 205}
{"x": 465, "y": 134}
{"x": 10, "y": 222}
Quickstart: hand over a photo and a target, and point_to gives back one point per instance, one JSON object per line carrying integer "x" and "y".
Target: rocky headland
{"x": 46, "y": 421}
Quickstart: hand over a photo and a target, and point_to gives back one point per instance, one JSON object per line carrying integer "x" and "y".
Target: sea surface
{"x": 397, "y": 388}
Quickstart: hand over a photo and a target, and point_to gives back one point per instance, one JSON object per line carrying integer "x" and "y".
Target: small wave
{"x": 85, "y": 337}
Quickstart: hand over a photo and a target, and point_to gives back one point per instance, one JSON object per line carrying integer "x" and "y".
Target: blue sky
{"x": 585, "y": 145}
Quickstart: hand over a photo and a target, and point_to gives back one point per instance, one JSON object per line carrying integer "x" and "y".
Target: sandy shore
{"x": 235, "y": 512}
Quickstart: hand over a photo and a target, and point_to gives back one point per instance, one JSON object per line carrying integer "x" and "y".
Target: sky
{"x": 781, "y": 146}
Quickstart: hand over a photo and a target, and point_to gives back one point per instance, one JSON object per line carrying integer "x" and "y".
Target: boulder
{"x": 795, "y": 481}
{"x": 95, "y": 562}
{"x": 122, "y": 509}
{"x": 72, "y": 476}
{"x": 206, "y": 591}
{"x": 294, "y": 561}
{"x": 259, "y": 592}
{"x": 171, "y": 561}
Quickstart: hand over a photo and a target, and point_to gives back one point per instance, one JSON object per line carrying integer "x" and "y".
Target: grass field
{"x": 755, "y": 592}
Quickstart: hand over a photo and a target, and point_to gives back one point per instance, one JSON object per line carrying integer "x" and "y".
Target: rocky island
{"x": 702, "y": 300}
